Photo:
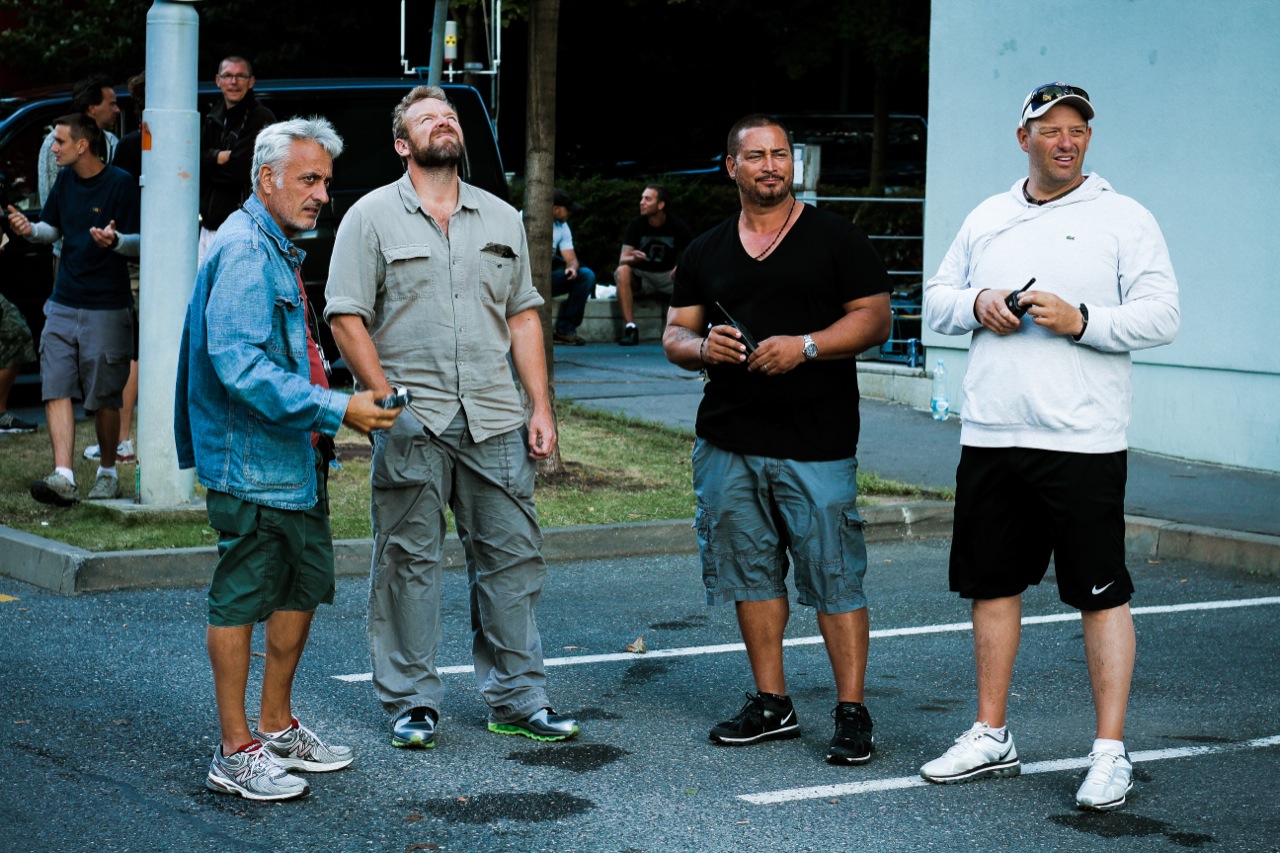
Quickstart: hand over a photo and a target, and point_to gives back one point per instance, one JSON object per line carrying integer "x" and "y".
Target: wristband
{"x": 702, "y": 350}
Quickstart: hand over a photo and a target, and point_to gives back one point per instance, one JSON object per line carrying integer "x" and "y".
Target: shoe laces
{"x": 971, "y": 736}
{"x": 1102, "y": 766}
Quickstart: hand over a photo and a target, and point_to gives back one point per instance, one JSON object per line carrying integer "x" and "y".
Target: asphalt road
{"x": 107, "y": 722}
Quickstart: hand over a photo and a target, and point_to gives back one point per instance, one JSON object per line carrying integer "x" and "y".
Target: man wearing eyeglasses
{"x": 226, "y": 146}
{"x": 1047, "y": 398}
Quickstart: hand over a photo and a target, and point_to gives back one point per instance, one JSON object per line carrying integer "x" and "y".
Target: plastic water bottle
{"x": 941, "y": 408}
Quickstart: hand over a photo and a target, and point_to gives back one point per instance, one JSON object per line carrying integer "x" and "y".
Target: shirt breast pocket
{"x": 495, "y": 277}
{"x": 407, "y": 271}
{"x": 289, "y": 335}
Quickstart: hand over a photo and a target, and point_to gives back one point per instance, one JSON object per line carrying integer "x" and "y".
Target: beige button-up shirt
{"x": 436, "y": 307}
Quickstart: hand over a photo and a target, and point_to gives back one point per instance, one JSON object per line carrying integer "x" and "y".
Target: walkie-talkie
{"x": 749, "y": 341}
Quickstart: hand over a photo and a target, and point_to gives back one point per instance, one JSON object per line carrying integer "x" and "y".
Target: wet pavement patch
{"x": 1128, "y": 825}
{"x": 596, "y": 714}
{"x": 580, "y": 758}
{"x": 522, "y": 807}
{"x": 697, "y": 621}
{"x": 643, "y": 671}
{"x": 1201, "y": 738}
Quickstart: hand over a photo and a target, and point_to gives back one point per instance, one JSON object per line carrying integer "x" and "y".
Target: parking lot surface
{"x": 107, "y": 723}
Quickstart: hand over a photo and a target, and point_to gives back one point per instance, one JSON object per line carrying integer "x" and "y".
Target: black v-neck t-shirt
{"x": 821, "y": 263}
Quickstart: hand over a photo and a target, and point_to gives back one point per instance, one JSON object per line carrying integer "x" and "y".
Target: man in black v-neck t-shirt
{"x": 791, "y": 294}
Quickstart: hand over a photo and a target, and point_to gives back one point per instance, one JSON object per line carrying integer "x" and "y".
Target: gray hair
{"x": 274, "y": 141}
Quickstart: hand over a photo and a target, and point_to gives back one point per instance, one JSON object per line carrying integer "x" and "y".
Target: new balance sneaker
{"x": 977, "y": 754}
{"x": 9, "y": 422}
{"x": 55, "y": 489}
{"x": 1110, "y": 778}
{"x": 105, "y": 488}
{"x": 415, "y": 728}
{"x": 853, "y": 742}
{"x": 253, "y": 773}
{"x": 764, "y": 717}
{"x": 299, "y": 748}
{"x": 544, "y": 724}
{"x": 124, "y": 452}
{"x": 630, "y": 336}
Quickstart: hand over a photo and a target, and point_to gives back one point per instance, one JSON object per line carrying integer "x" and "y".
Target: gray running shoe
{"x": 299, "y": 748}
{"x": 105, "y": 488}
{"x": 55, "y": 489}
{"x": 253, "y": 774}
{"x": 415, "y": 728}
{"x": 9, "y": 422}
{"x": 544, "y": 724}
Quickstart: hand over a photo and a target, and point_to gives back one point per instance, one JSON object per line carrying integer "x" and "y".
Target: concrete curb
{"x": 69, "y": 570}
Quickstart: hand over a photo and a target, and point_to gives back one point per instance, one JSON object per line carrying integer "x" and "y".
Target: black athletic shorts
{"x": 1016, "y": 507}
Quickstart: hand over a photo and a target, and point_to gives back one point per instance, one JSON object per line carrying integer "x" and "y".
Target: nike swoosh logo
{"x": 788, "y": 718}
{"x": 1097, "y": 591}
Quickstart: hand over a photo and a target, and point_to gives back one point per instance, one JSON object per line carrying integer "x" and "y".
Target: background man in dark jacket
{"x": 226, "y": 145}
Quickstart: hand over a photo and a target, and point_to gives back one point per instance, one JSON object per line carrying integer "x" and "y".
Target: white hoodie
{"x": 1034, "y": 388}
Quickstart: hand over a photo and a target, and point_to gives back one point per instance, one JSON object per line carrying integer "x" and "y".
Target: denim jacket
{"x": 245, "y": 407}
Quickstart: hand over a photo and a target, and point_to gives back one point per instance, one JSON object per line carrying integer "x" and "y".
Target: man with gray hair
{"x": 255, "y": 417}
{"x": 429, "y": 288}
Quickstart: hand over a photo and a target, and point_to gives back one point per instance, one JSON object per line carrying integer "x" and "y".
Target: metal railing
{"x": 904, "y": 345}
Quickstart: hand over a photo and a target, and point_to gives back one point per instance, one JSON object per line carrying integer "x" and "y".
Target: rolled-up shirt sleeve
{"x": 356, "y": 269}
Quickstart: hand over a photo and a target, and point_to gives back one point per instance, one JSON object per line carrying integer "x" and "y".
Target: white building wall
{"x": 1187, "y": 94}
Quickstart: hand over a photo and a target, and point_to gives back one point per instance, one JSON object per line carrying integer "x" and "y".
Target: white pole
{"x": 170, "y": 204}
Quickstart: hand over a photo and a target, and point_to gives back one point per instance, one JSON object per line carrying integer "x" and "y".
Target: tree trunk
{"x": 540, "y": 176}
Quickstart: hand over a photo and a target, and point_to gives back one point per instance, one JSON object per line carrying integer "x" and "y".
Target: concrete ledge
{"x": 896, "y": 383}
{"x": 68, "y": 570}
{"x": 602, "y": 320}
{"x": 1158, "y": 539}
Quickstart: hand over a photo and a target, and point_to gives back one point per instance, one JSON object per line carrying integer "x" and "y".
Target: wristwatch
{"x": 1084, "y": 315}
{"x": 810, "y": 348}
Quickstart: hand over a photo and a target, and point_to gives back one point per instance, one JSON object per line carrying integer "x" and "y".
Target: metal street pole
{"x": 170, "y": 204}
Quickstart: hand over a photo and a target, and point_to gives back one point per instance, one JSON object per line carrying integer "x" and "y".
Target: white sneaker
{"x": 977, "y": 754}
{"x": 1110, "y": 779}
{"x": 124, "y": 452}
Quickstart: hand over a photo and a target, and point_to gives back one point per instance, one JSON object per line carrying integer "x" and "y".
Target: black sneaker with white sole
{"x": 764, "y": 717}
{"x": 853, "y": 742}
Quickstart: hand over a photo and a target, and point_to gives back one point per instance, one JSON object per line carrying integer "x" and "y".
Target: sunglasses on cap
{"x": 1054, "y": 91}
{"x": 1038, "y": 101}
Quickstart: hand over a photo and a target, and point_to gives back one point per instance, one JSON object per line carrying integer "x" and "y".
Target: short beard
{"x": 438, "y": 156}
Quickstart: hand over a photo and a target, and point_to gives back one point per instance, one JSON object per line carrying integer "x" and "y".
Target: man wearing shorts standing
{"x": 651, "y": 246}
{"x": 88, "y": 332}
{"x": 774, "y": 465}
{"x": 255, "y": 417}
{"x": 1046, "y": 404}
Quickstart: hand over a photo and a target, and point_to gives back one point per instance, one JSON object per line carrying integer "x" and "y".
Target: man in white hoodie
{"x": 1047, "y": 398}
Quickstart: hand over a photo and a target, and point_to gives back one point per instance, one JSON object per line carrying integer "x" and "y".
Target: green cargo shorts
{"x": 269, "y": 559}
{"x": 16, "y": 346}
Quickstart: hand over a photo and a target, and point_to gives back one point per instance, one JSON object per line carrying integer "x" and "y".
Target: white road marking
{"x": 849, "y": 789}
{"x": 691, "y": 651}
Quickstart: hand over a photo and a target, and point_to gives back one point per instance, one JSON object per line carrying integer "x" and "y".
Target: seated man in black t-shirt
{"x": 88, "y": 333}
{"x": 651, "y": 246}
{"x": 792, "y": 294}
